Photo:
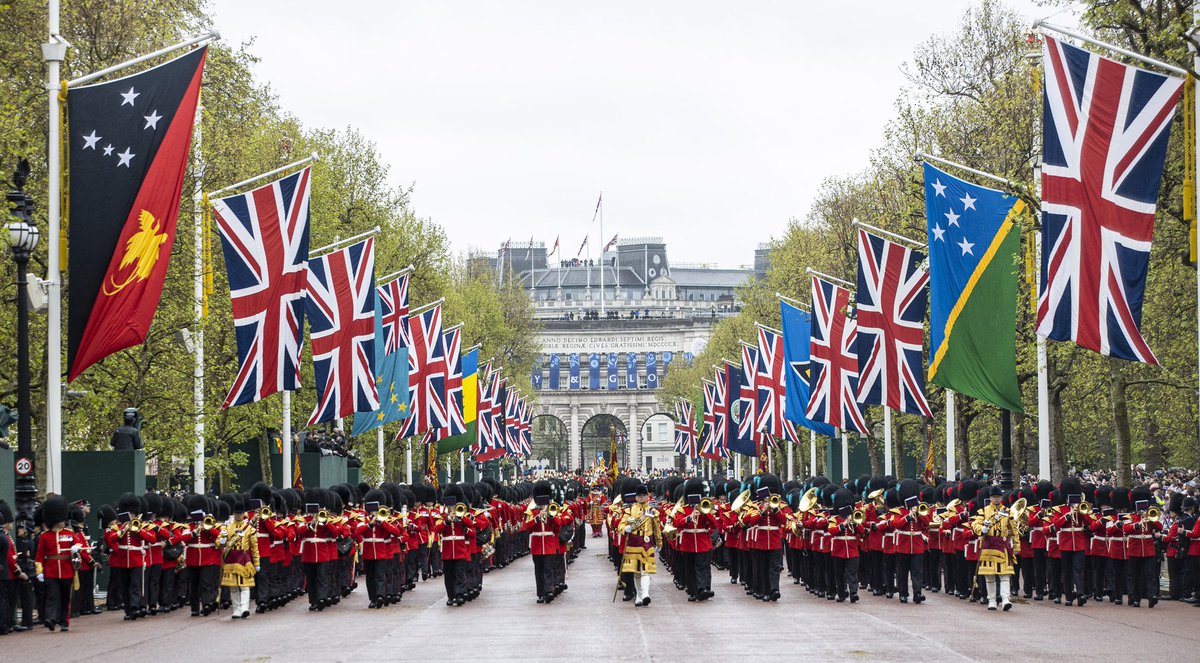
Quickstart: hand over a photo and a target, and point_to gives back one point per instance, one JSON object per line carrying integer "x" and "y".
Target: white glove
{"x": 258, "y": 569}
{"x": 41, "y": 577}
{"x": 628, "y": 529}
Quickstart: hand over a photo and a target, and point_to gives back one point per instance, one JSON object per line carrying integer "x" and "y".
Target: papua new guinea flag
{"x": 129, "y": 143}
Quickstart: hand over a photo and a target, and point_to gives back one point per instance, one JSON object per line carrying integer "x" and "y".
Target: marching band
{"x": 1071, "y": 543}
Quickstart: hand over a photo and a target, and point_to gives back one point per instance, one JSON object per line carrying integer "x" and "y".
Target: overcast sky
{"x": 709, "y": 124}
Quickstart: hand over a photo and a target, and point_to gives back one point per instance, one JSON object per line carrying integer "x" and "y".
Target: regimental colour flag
{"x": 891, "y": 325}
{"x": 973, "y": 288}
{"x": 128, "y": 152}
{"x": 264, "y": 238}
{"x": 797, "y": 337}
{"x": 426, "y": 373}
{"x": 833, "y": 379}
{"x": 1104, "y": 142}
{"x": 341, "y": 315}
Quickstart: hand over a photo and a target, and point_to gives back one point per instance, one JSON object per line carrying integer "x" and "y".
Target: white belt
{"x": 130, "y": 547}
{"x": 694, "y": 531}
{"x": 318, "y": 540}
{"x": 263, "y": 535}
{"x": 537, "y": 534}
{"x": 199, "y": 545}
{"x": 376, "y": 540}
{"x": 158, "y": 544}
{"x": 845, "y": 538}
{"x": 907, "y": 533}
{"x": 1071, "y": 529}
{"x": 769, "y": 528}
{"x": 1141, "y": 536}
{"x": 460, "y": 538}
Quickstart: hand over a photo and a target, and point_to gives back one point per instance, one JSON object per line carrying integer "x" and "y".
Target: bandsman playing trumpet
{"x": 1142, "y": 531}
{"x": 543, "y": 522}
{"x": 909, "y": 525}
{"x": 1070, "y": 521}
{"x": 765, "y": 523}
{"x": 454, "y": 523}
{"x": 128, "y": 540}
{"x": 845, "y": 528}
{"x": 378, "y": 533}
{"x": 201, "y": 556}
{"x": 696, "y": 522}
{"x": 999, "y": 546}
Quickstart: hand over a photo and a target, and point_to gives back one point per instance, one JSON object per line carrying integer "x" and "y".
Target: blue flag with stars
{"x": 391, "y": 381}
{"x": 797, "y": 335}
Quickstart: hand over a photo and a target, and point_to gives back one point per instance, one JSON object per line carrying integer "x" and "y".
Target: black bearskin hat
{"x": 1175, "y": 504}
{"x": 129, "y": 503}
{"x": 375, "y": 495}
{"x": 1120, "y": 499}
{"x": 54, "y": 511}
{"x": 542, "y": 488}
{"x": 908, "y": 488}
{"x": 455, "y": 491}
{"x": 842, "y": 498}
{"x": 1139, "y": 494}
{"x": 768, "y": 481}
{"x": 261, "y": 492}
{"x": 967, "y": 490}
{"x": 1069, "y": 486}
{"x": 6, "y": 513}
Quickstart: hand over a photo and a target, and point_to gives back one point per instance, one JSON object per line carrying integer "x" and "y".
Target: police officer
{"x": 127, "y": 437}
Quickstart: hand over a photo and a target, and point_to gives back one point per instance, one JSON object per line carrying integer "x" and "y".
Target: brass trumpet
{"x": 135, "y": 525}
{"x": 322, "y": 517}
{"x": 922, "y": 510}
{"x": 382, "y": 514}
{"x": 1084, "y": 508}
{"x": 858, "y": 517}
{"x": 208, "y": 523}
{"x": 460, "y": 510}
{"x": 706, "y": 506}
{"x": 265, "y": 512}
{"x": 774, "y": 502}
{"x": 1153, "y": 514}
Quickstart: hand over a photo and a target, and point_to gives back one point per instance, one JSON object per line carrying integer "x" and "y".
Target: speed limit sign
{"x": 24, "y": 467}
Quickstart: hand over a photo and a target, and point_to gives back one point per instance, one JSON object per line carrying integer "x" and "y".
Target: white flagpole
{"x": 1043, "y": 383}
{"x": 288, "y": 479}
{"x": 54, "y": 51}
{"x": 845, "y": 456}
{"x": 950, "y": 435}
{"x": 600, "y": 209}
{"x": 379, "y": 452}
{"x": 887, "y": 440}
{"x": 812, "y": 453}
{"x": 408, "y": 461}
{"x": 199, "y": 201}
{"x": 462, "y": 467}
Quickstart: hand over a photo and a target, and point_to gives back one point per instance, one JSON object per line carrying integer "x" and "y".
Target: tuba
{"x": 740, "y": 501}
{"x": 807, "y": 501}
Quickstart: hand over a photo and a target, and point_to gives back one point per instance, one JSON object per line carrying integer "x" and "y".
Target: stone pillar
{"x": 576, "y": 436}
{"x": 635, "y": 438}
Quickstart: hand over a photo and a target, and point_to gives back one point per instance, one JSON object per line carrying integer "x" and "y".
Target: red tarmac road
{"x": 505, "y": 623}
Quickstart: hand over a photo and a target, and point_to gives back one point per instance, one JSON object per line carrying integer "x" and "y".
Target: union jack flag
{"x": 712, "y": 447}
{"x": 341, "y": 324}
{"x": 1104, "y": 141}
{"x": 393, "y": 303}
{"x": 748, "y": 397}
{"x": 769, "y": 382}
{"x": 685, "y": 430}
{"x": 497, "y": 400}
{"x": 892, "y": 298}
{"x": 452, "y": 350}
{"x": 833, "y": 375}
{"x": 483, "y": 411}
{"x": 512, "y": 424}
{"x": 525, "y": 428}
{"x": 264, "y": 238}
{"x": 426, "y": 374}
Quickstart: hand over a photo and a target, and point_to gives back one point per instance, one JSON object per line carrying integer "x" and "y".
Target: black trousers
{"x": 202, "y": 586}
{"x": 1094, "y": 575}
{"x": 1174, "y": 570}
{"x": 455, "y": 577}
{"x": 411, "y": 570}
{"x": 319, "y": 581}
{"x": 933, "y": 572}
{"x": 1115, "y": 584}
{"x": 541, "y": 574}
{"x": 8, "y": 608}
{"x": 557, "y": 565}
{"x": 116, "y": 592}
{"x": 58, "y": 601}
{"x": 26, "y": 597}
{"x": 130, "y": 584}
{"x": 906, "y": 566}
{"x": 889, "y": 573}
{"x": 1054, "y": 586}
{"x": 745, "y": 573}
{"x": 734, "y": 562}
{"x": 264, "y": 582}
{"x": 845, "y": 573}
{"x": 376, "y": 578}
{"x": 1142, "y": 576}
{"x": 697, "y": 571}
{"x": 84, "y": 600}
{"x": 153, "y": 579}
{"x": 1072, "y": 574}
{"x": 950, "y": 572}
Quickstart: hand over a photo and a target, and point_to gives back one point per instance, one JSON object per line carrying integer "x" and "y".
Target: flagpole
{"x": 600, "y": 208}
{"x": 54, "y": 51}
{"x": 408, "y": 462}
{"x": 212, "y": 35}
{"x": 1196, "y": 137}
{"x": 812, "y": 453}
{"x": 1044, "y": 27}
{"x": 379, "y": 451}
{"x": 288, "y": 479}
{"x": 887, "y": 440}
{"x": 834, "y": 279}
{"x": 282, "y": 169}
{"x": 950, "y": 435}
{"x": 845, "y": 456}
{"x": 791, "y": 455}
{"x": 329, "y": 248}
{"x": 199, "y": 202}
{"x": 1043, "y": 360}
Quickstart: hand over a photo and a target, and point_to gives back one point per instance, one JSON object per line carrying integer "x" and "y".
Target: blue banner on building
{"x": 651, "y": 370}
{"x": 631, "y": 381}
{"x": 687, "y": 359}
{"x": 554, "y": 372}
{"x": 594, "y": 371}
{"x": 612, "y": 371}
{"x": 537, "y": 376}
{"x": 574, "y": 362}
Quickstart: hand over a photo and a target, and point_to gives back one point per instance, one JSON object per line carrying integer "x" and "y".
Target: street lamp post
{"x": 23, "y": 238}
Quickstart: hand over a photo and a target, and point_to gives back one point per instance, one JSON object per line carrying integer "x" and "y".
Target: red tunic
{"x": 694, "y": 537}
{"x": 54, "y": 554}
{"x": 1139, "y": 536}
{"x": 844, "y": 538}
{"x": 910, "y": 536}
{"x": 201, "y": 547}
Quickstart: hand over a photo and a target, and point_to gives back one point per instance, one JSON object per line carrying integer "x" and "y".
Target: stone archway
{"x": 551, "y": 441}
{"x": 596, "y": 440}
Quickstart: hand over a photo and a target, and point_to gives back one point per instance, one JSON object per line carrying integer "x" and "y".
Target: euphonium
{"x": 876, "y": 498}
{"x": 706, "y": 506}
{"x": 740, "y": 501}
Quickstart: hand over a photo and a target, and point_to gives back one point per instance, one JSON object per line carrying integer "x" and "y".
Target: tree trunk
{"x": 264, "y": 459}
{"x": 1058, "y": 458}
{"x": 873, "y": 446}
{"x": 1154, "y": 455}
{"x": 1120, "y": 415}
{"x": 1020, "y": 460}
